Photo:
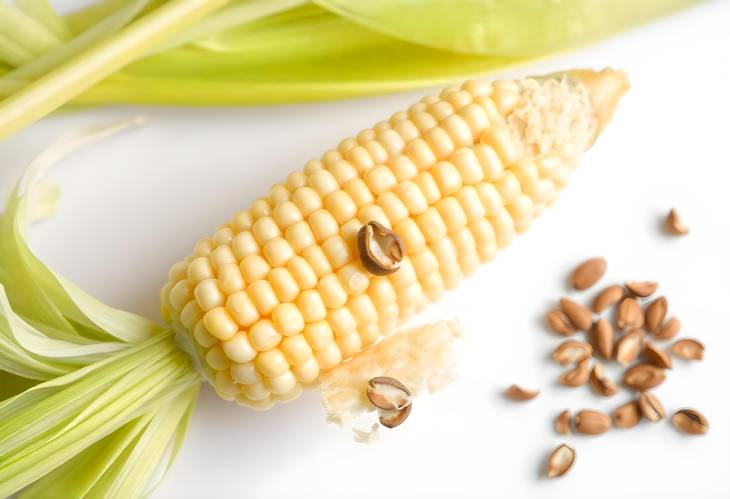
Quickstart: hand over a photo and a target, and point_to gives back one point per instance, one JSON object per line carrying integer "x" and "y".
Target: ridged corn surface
{"x": 278, "y": 294}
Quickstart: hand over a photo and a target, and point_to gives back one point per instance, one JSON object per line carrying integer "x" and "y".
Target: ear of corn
{"x": 277, "y": 295}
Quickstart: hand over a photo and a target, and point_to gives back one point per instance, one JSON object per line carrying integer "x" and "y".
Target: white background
{"x": 137, "y": 203}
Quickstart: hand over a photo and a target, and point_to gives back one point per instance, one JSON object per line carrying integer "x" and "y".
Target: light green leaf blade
{"x": 507, "y": 28}
{"x": 43, "y": 12}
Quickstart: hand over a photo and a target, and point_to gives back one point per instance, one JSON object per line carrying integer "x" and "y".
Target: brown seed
{"x": 591, "y": 422}
{"x": 381, "y": 250}
{"x": 627, "y": 415}
{"x": 642, "y": 289}
{"x": 655, "y": 314}
{"x": 578, "y": 376}
{"x": 588, "y": 273}
{"x": 674, "y": 224}
{"x": 515, "y": 392}
{"x": 601, "y": 383}
{"x": 690, "y": 421}
{"x": 579, "y": 316}
{"x": 391, "y": 419}
{"x": 603, "y": 338}
{"x": 560, "y": 323}
{"x": 668, "y": 330}
{"x": 629, "y": 314}
{"x": 560, "y": 461}
{"x": 608, "y": 298}
{"x": 388, "y": 393}
{"x": 643, "y": 377}
{"x": 572, "y": 352}
{"x": 688, "y": 349}
{"x": 651, "y": 407}
{"x": 656, "y": 356}
{"x": 562, "y": 422}
{"x": 629, "y": 346}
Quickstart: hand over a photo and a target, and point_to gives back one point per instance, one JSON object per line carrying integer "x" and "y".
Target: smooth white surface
{"x": 137, "y": 203}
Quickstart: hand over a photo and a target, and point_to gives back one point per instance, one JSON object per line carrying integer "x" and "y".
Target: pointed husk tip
{"x": 605, "y": 89}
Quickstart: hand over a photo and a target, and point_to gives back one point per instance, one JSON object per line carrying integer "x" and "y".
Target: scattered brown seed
{"x": 381, "y": 250}
{"x": 603, "y": 338}
{"x": 600, "y": 381}
{"x": 560, "y": 461}
{"x": 651, "y": 407}
{"x": 562, "y": 422}
{"x": 655, "y": 314}
{"x": 642, "y": 289}
{"x": 609, "y": 297}
{"x": 688, "y": 349}
{"x": 388, "y": 393}
{"x": 674, "y": 224}
{"x": 590, "y": 422}
{"x": 572, "y": 352}
{"x": 577, "y": 376}
{"x": 629, "y": 346}
{"x": 588, "y": 273}
{"x": 560, "y": 323}
{"x": 579, "y": 316}
{"x": 668, "y": 330}
{"x": 643, "y": 377}
{"x": 656, "y": 356}
{"x": 515, "y": 392}
{"x": 629, "y": 314}
{"x": 627, "y": 415}
{"x": 391, "y": 419}
{"x": 690, "y": 421}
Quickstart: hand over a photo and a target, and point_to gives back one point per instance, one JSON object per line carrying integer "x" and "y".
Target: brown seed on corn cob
{"x": 278, "y": 294}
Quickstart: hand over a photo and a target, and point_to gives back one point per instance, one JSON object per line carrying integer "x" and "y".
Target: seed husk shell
{"x": 590, "y": 422}
{"x": 629, "y": 314}
{"x": 627, "y": 415}
{"x": 668, "y": 330}
{"x": 579, "y": 316}
{"x": 642, "y": 289}
{"x": 516, "y": 392}
{"x": 675, "y": 225}
{"x": 690, "y": 421}
{"x": 601, "y": 383}
{"x": 381, "y": 250}
{"x": 560, "y": 323}
{"x": 562, "y": 422}
{"x": 388, "y": 393}
{"x": 588, "y": 273}
{"x": 656, "y": 356}
{"x": 560, "y": 461}
{"x": 655, "y": 313}
{"x": 578, "y": 376}
{"x": 609, "y": 297}
{"x": 391, "y": 419}
{"x": 603, "y": 338}
{"x": 572, "y": 352}
{"x": 688, "y": 349}
{"x": 651, "y": 407}
{"x": 642, "y": 377}
{"x": 629, "y": 347}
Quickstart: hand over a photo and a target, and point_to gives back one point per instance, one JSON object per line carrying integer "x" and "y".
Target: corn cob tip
{"x": 605, "y": 89}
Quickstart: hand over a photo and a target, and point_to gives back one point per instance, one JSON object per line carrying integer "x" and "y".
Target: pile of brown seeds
{"x": 630, "y": 336}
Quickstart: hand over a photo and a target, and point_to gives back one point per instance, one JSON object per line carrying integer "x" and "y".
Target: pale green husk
{"x": 220, "y": 52}
{"x": 96, "y": 400}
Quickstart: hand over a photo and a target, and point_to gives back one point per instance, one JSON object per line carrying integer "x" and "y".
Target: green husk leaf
{"x": 505, "y": 28}
{"x": 33, "y": 35}
{"x": 94, "y": 34}
{"x": 54, "y": 89}
{"x": 43, "y": 12}
{"x": 53, "y": 422}
{"x": 35, "y": 291}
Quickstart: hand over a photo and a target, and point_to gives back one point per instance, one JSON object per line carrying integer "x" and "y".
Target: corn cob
{"x": 278, "y": 294}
